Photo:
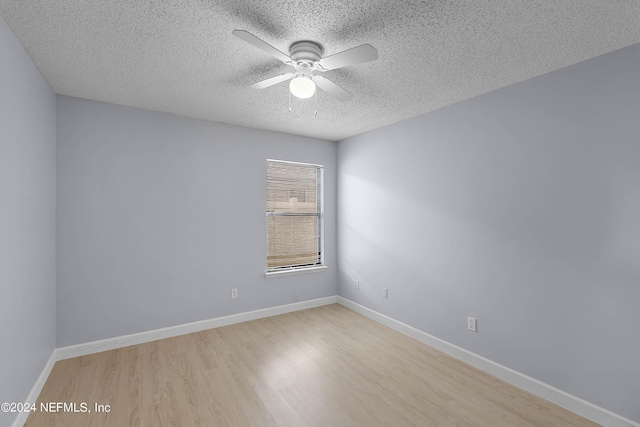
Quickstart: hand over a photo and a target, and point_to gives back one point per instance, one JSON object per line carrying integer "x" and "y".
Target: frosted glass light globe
{"x": 302, "y": 87}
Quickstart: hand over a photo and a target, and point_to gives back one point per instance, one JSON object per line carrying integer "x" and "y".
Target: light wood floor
{"x": 326, "y": 366}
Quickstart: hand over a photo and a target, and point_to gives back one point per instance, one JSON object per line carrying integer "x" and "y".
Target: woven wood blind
{"x": 293, "y": 215}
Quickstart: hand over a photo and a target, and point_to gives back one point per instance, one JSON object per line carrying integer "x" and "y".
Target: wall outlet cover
{"x": 471, "y": 324}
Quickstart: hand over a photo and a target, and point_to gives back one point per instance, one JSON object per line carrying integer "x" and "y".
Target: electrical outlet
{"x": 357, "y": 284}
{"x": 385, "y": 292}
{"x": 296, "y": 296}
{"x": 471, "y": 324}
{"x": 234, "y": 293}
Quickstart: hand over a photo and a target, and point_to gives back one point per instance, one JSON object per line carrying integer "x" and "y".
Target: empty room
{"x": 320, "y": 213}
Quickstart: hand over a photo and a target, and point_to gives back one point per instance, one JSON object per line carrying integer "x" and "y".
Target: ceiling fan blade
{"x": 273, "y": 80}
{"x": 332, "y": 89}
{"x": 260, "y": 44}
{"x": 356, "y": 55}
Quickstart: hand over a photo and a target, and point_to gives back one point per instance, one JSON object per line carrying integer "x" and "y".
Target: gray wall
{"x": 160, "y": 216}
{"x": 27, "y": 221}
{"x": 520, "y": 207}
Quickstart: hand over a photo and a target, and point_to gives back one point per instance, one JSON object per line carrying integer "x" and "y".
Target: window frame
{"x": 319, "y": 214}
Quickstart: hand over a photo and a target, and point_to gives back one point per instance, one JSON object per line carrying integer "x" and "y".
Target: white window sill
{"x": 291, "y": 272}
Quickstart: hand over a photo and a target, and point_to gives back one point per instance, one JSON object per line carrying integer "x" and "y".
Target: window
{"x": 294, "y": 216}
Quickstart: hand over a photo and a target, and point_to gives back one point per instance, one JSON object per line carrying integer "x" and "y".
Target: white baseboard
{"x": 36, "y": 389}
{"x": 187, "y": 328}
{"x": 572, "y": 403}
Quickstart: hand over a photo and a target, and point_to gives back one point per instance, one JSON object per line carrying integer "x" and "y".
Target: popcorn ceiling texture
{"x": 179, "y": 56}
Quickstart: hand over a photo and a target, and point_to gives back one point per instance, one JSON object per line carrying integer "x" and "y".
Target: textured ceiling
{"x": 179, "y": 56}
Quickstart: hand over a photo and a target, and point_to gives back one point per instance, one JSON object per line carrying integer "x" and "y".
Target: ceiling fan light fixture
{"x": 302, "y": 87}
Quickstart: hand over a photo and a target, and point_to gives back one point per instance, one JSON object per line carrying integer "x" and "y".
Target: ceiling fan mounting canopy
{"x": 306, "y": 57}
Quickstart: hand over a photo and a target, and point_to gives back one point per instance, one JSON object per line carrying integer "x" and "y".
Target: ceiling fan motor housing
{"x": 306, "y": 51}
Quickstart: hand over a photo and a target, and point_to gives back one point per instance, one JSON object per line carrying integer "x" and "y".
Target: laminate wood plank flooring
{"x": 326, "y": 366}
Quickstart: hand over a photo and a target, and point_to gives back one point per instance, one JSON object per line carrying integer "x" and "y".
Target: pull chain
{"x": 315, "y": 103}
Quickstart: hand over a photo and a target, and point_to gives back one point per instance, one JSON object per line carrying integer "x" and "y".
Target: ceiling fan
{"x": 306, "y": 57}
